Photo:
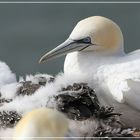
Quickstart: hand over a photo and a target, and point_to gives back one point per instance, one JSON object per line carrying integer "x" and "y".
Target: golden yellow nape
{"x": 43, "y": 122}
{"x": 103, "y": 32}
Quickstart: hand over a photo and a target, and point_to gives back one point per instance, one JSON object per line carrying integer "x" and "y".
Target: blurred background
{"x": 27, "y": 31}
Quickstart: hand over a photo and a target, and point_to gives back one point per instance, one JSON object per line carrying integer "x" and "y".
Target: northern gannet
{"x": 95, "y": 49}
{"x": 41, "y": 124}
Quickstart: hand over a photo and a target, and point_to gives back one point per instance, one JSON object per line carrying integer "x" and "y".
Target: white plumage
{"x": 95, "y": 50}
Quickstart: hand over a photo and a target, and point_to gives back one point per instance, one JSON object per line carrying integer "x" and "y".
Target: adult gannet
{"x": 41, "y": 124}
{"x": 95, "y": 48}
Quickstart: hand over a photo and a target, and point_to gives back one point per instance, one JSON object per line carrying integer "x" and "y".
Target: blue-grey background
{"x": 27, "y": 31}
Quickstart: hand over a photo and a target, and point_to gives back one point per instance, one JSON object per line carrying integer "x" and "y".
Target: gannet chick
{"x": 95, "y": 50}
{"x": 41, "y": 123}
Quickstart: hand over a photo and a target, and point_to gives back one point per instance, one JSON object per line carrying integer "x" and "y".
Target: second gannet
{"x": 95, "y": 49}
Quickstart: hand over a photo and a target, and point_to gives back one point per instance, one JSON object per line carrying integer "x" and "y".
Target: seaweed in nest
{"x": 114, "y": 132}
{"x": 78, "y": 101}
{"x": 3, "y": 100}
{"x": 105, "y": 112}
{"x": 29, "y": 88}
{"x": 9, "y": 119}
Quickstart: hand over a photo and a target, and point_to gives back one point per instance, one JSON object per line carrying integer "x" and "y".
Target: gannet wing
{"x": 123, "y": 79}
{"x": 132, "y": 96}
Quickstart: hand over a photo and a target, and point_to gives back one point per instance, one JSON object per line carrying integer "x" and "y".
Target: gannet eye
{"x": 86, "y": 40}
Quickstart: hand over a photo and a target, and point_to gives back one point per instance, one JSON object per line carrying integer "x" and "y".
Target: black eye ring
{"x": 86, "y": 40}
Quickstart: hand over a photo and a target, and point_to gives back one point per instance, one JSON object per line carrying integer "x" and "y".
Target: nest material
{"x": 29, "y": 88}
{"x": 79, "y": 102}
{"x": 8, "y": 119}
{"x": 115, "y": 132}
{"x": 3, "y": 100}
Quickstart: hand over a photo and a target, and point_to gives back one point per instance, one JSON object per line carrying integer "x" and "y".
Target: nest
{"x": 9, "y": 119}
{"x": 29, "y": 88}
{"x": 79, "y": 103}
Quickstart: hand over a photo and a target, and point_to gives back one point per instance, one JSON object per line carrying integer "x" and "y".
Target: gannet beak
{"x": 66, "y": 47}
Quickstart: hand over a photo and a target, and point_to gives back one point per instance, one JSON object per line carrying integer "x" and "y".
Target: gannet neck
{"x": 88, "y": 64}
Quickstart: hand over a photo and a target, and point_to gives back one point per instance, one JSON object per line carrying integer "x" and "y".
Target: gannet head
{"x": 96, "y": 34}
{"x": 42, "y": 122}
